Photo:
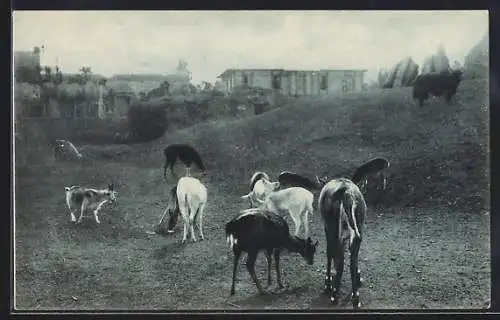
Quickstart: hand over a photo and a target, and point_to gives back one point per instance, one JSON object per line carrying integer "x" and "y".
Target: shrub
{"x": 146, "y": 123}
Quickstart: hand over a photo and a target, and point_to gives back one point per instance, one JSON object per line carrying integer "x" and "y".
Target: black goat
{"x": 374, "y": 167}
{"x": 343, "y": 208}
{"x": 290, "y": 179}
{"x": 256, "y": 230}
{"x": 185, "y": 153}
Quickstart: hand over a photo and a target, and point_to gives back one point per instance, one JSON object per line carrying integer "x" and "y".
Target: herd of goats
{"x": 262, "y": 227}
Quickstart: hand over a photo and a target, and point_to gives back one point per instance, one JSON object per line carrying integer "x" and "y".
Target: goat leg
{"x": 251, "y": 269}
{"x": 269, "y": 262}
{"x": 237, "y": 254}
{"x": 82, "y": 209}
{"x": 278, "y": 274}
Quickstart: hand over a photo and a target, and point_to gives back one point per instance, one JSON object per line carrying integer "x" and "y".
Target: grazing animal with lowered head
{"x": 343, "y": 210}
{"x": 261, "y": 189}
{"x": 372, "y": 168}
{"x": 64, "y": 149}
{"x": 172, "y": 210}
{"x": 438, "y": 84}
{"x": 290, "y": 179}
{"x": 187, "y": 154}
{"x": 255, "y": 230}
{"x": 87, "y": 198}
{"x": 192, "y": 198}
{"x": 295, "y": 201}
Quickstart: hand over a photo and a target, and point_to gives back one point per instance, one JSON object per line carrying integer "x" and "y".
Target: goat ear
{"x": 309, "y": 240}
{"x": 316, "y": 243}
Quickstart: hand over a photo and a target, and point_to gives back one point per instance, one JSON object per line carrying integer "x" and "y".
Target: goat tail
{"x": 230, "y": 239}
{"x": 344, "y": 198}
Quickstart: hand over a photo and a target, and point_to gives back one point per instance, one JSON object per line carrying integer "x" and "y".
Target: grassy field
{"x": 427, "y": 240}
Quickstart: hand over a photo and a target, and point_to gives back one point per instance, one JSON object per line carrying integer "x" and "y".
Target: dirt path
{"x": 410, "y": 257}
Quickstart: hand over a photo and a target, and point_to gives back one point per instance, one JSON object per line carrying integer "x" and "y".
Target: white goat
{"x": 260, "y": 190}
{"x": 66, "y": 147}
{"x": 192, "y": 198}
{"x": 296, "y": 201}
{"x": 83, "y": 198}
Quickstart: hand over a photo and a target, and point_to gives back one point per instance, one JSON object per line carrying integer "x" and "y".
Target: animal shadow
{"x": 167, "y": 249}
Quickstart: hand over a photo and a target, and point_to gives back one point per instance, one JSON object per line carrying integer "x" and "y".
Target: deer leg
{"x": 355, "y": 276}
{"x": 237, "y": 254}
{"x": 251, "y": 269}
{"x": 338, "y": 262}
{"x": 328, "y": 278}
{"x": 277, "y": 260}
{"x": 269, "y": 261}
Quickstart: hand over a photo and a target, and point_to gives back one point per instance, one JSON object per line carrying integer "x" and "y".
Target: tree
{"x": 86, "y": 74}
{"x": 47, "y": 74}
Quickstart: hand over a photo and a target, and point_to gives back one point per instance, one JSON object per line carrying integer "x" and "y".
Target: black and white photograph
{"x": 250, "y": 160}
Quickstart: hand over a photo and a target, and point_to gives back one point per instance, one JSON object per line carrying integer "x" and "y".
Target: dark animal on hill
{"x": 186, "y": 154}
{"x": 343, "y": 210}
{"x": 438, "y": 84}
{"x": 372, "y": 168}
{"x": 255, "y": 230}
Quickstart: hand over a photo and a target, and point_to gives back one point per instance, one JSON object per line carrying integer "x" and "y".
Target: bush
{"x": 146, "y": 123}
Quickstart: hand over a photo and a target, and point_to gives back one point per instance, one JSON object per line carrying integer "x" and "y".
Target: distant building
{"x": 295, "y": 82}
{"x": 26, "y": 59}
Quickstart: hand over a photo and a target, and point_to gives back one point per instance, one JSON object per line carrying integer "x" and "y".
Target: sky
{"x": 112, "y": 42}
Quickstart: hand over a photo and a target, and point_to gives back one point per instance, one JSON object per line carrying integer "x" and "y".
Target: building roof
{"x": 340, "y": 68}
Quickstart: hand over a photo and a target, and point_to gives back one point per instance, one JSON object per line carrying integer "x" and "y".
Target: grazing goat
{"x": 64, "y": 149}
{"x": 296, "y": 201}
{"x": 192, "y": 198}
{"x": 290, "y": 179}
{"x": 438, "y": 84}
{"x": 342, "y": 208}
{"x": 83, "y": 198}
{"x": 173, "y": 211}
{"x": 260, "y": 190}
{"x": 374, "y": 167}
{"x": 256, "y": 230}
{"x": 186, "y": 154}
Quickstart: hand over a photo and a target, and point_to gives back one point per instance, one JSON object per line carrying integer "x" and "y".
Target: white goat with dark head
{"x": 87, "y": 198}
{"x": 191, "y": 198}
{"x": 296, "y": 201}
{"x": 260, "y": 187}
{"x": 343, "y": 210}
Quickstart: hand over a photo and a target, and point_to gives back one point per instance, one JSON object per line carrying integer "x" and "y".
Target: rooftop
{"x": 337, "y": 68}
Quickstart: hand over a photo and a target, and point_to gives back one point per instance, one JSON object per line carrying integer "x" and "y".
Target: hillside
{"x": 437, "y": 152}
{"x": 420, "y": 249}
